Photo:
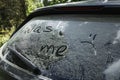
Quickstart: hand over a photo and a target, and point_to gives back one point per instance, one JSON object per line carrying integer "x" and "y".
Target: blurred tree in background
{"x": 13, "y": 12}
{"x": 52, "y": 2}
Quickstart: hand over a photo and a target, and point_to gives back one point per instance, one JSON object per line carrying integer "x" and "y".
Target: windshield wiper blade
{"x": 33, "y": 68}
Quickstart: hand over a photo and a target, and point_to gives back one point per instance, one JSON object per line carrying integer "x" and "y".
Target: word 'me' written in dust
{"x": 58, "y": 50}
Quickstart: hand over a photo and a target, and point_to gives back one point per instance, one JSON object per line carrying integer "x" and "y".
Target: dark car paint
{"x": 5, "y": 76}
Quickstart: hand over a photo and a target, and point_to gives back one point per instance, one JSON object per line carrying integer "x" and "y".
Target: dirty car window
{"x": 70, "y": 47}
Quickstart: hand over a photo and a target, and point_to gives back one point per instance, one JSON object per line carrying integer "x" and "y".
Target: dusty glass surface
{"x": 72, "y": 47}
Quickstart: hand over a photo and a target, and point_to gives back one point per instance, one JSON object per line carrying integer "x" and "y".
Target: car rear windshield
{"x": 72, "y": 47}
